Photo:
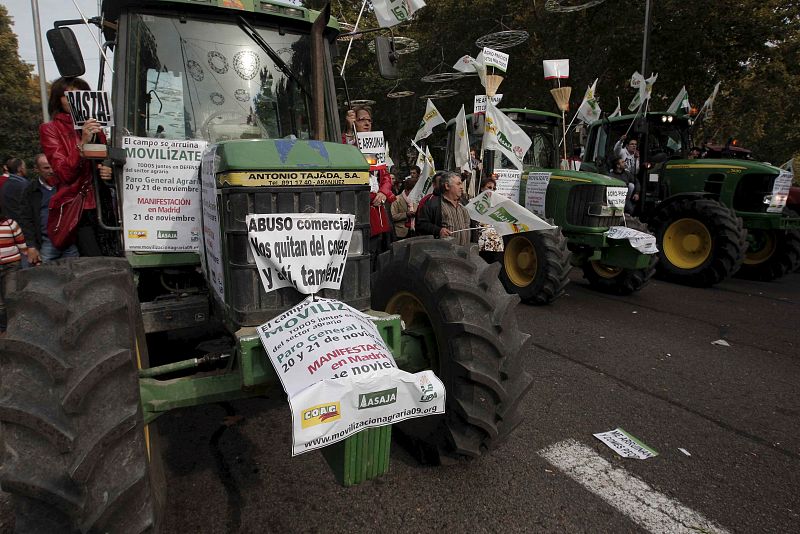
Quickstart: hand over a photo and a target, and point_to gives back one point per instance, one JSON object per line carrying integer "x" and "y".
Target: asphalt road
{"x": 645, "y": 363}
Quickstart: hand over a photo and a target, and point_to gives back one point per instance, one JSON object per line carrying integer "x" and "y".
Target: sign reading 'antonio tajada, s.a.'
{"x": 293, "y": 178}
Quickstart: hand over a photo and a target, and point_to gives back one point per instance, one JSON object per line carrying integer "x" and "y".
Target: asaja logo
{"x": 167, "y": 234}
{"x": 377, "y": 398}
{"x": 321, "y": 413}
{"x": 137, "y": 234}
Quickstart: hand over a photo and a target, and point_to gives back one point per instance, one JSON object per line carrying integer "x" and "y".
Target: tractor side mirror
{"x": 387, "y": 58}
{"x": 66, "y": 52}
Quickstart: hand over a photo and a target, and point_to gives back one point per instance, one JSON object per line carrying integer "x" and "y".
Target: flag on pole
{"x": 681, "y": 102}
{"x": 393, "y": 12}
{"x": 555, "y": 69}
{"x": 507, "y": 217}
{"x": 470, "y": 64}
{"x": 589, "y": 110}
{"x": 462, "y": 141}
{"x": 501, "y": 133}
{"x": 617, "y": 112}
{"x": 425, "y": 182}
{"x": 430, "y": 120}
{"x": 709, "y": 103}
{"x": 645, "y": 89}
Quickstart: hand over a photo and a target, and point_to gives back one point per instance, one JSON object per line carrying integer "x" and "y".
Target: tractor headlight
{"x": 356, "y": 243}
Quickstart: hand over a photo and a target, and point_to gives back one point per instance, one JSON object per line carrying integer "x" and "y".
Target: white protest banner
{"x": 504, "y": 214}
{"x": 641, "y": 241}
{"x": 501, "y": 133}
{"x": 616, "y": 196}
{"x": 508, "y": 181}
{"x": 780, "y": 192}
{"x": 340, "y": 376}
{"x": 306, "y": 251}
{"x": 461, "y": 147}
{"x": 555, "y": 68}
{"x": 373, "y": 146}
{"x": 392, "y": 12}
{"x": 161, "y": 194}
{"x": 625, "y": 444}
{"x": 479, "y": 106}
{"x": 536, "y": 192}
{"x": 681, "y": 102}
{"x": 495, "y": 58}
{"x": 211, "y": 243}
{"x": 645, "y": 89}
{"x": 589, "y": 110}
{"x": 425, "y": 183}
{"x": 85, "y": 105}
{"x": 430, "y": 120}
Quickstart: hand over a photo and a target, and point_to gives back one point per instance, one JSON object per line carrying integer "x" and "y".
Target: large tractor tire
{"x": 771, "y": 253}
{"x": 700, "y": 242}
{"x": 75, "y": 454}
{"x": 616, "y": 280}
{"x": 450, "y": 291}
{"x": 536, "y": 266}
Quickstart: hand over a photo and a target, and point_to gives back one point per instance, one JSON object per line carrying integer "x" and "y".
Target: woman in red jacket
{"x": 359, "y": 119}
{"x": 63, "y": 146}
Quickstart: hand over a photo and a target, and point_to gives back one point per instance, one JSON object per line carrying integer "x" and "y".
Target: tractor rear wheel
{"x": 75, "y": 454}
{"x": 771, "y": 253}
{"x": 536, "y": 265}
{"x": 701, "y": 242}
{"x": 450, "y": 291}
{"x": 618, "y": 280}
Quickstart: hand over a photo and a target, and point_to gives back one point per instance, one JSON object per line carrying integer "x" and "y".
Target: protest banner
{"x": 340, "y": 375}
{"x": 479, "y": 105}
{"x": 161, "y": 194}
{"x": 641, "y": 241}
{"x": 392, "y": 12}
{"x": 430, "y": 120}
{"x": 616, "y": 196}
{"x": 536, "y": 192}
{"x": 555, "y": 69}
{"x": 495, "y": 58}
{"x": 305, "y": 251}
{"x": 503, "y": 134}
{"x": 625, "y": 444}
{"x": 85, "y": 105}
{"x": 211, "y": 244}
{"x": 508, "y": 181}
{"x": 780, "y": 192}
{"x": 507, "y": 217}
{"x": 373, "y": 146}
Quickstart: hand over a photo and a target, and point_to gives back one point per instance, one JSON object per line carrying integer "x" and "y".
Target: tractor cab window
{"x": 542, "y": 154}
{"x": 207, "y": 79}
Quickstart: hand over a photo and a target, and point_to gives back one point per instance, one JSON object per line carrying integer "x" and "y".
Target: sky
{"x": 49, "y": 12}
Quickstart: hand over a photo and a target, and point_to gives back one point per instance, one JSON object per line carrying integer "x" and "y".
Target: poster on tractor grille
{"x": 508, "y": 181}
{"x": 780, "y": 192}
{"x": 340, "y": 375}
{"x": 211, "y": 242}
{"x": 641, "y": 241}
{"x": 161, "y": 194}
{"x": 536, "y": 192}
{"x": 306, "y": 251}
{"x": 616, "y": 196}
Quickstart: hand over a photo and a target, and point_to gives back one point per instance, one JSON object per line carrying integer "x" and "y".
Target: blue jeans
{"x": 50, "y": 253}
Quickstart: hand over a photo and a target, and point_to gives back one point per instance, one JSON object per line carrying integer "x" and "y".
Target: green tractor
{"x": 79, "y": 447}
{"x": 712, "y": 217}
{"x": 536, "y": 265}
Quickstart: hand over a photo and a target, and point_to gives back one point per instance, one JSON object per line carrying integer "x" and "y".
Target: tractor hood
{"x": 579, "y": 177}
{"x": 724, "y": 165}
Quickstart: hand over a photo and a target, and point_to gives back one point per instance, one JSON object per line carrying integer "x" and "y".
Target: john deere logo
{"x": 167, "y": 234}
{"x": 137, "y": 234}
{"x": 377, "y": 398}
{"x": 321, "y": 413}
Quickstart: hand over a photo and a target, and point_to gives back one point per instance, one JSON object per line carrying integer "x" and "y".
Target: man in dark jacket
{"x": 443, "y": 215}
{"x": 14, "y": 187}
{"x": 33, "y": 216}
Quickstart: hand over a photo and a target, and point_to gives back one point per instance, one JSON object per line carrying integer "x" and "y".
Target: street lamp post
{"x": 37, "y": 34}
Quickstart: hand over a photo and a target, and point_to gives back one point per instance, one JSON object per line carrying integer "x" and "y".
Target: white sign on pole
{"x": 495, "y": 58}
{"x": 780, "y": 192}
{"x": 85, "y": 105}
{"x": 505, "y": 215}
{"x": 479, "y": 105}
{"x": 625, "y": 444}
{"x": 536, "y": 192}
{"x": 641, "y": 241}
{"x": 555, "y": 69}
{"x": 615, "y": 197}
{"x": 304, "y": 251}
{"x": 161, "y": 194}
{"x": 211, "y": 244}
{"x": 373, "y": 145}
{"x": 340, "y": 376}
{"x": 508, "y": 181}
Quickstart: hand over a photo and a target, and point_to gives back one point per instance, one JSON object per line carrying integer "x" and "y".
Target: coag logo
{"x": 167, "y": 234}
{"x": 137, "y": 234}
{"x": 377, "y": 398}
{"x": 321, "y": 413}
{"x": 427, "y": 389}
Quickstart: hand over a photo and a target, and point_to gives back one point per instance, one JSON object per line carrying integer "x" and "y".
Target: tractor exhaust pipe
{"x": 318, "y": 72}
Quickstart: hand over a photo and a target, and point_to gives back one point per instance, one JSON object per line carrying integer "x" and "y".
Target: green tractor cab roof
{"x": 652, "y": 115}
{"x": 287, "y": 154}
{"x": 580, "y": 177}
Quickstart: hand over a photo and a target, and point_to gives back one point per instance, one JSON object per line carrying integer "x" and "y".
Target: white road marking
{"x": 650, "y": 509}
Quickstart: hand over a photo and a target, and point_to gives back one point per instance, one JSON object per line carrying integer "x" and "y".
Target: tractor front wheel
{"x": 536, "y": 265}
{"x": 771, "y": 254}
{"x": 618, "y": 280}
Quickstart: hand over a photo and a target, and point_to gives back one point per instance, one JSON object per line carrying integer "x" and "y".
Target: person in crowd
{"x": 160, "y": 132}
{"x": 619, "y": 170}
{"x": 404, "y": 211}
{"x": 413, "y": 174}
{"x": 490, "y": 243}
{"x": 443, "y": 215}
{"x": 12, "y": 249}
{"x": 14, "y": 187}
{"x": 475, "y": 163}
{"x": 33, "y": 217}
{"x": 4, "y": 176}
{"x": 695, "y": 152}
{"x": 435, "y": 189}
{"x": 628, "y": 149}
{"x": 359, "y": 119}
{"x": 397, "y": 184}
{"x": 63, "y": 145}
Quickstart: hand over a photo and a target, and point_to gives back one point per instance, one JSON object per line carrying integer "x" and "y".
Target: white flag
{"x": 709, "y": 104}
{"x": 681, "y": 102}
{"x": 501, "y": 133}
{"x": 462, "y": 141}
{"x": 507, "y": 217}
{"x": 645, "y": 89}
{"x": 617, "y": 112}
{"x": 425, "y": 183}
{"x": 431, "y": 119}
{"x": 470, "y": 64}
{"x": 589, "y": 110}
{"x": 393, "y": 12}
{"x": 555, "y": 68}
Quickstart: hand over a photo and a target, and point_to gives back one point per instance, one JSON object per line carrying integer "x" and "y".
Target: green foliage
{"x": 21, "y": 112}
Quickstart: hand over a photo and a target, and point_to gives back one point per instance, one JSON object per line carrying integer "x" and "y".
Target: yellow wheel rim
{"x": 605, "y": 271}
{"x": 687, "y": 243}
{"x": 761, "y": 247}
{"x": 519, "y": 261}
